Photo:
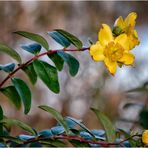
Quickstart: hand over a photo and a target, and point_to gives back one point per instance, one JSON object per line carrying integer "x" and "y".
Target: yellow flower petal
{"x": 123, "y": 41}
{"x": 130, "y": 20}
{"x": 105, "y": 35}
{"x": 111, "y": 66}
{"x": 127, "y": 59}
{"x": 145, "y": 137}
{"x": 96, "y": 51}
{"x": 119, "y": 22}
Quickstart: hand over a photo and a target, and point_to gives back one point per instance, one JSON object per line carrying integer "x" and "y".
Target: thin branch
{"x": 36, "y": 57}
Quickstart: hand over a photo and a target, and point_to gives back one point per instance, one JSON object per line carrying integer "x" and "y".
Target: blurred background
{"x": 93, "y": 86}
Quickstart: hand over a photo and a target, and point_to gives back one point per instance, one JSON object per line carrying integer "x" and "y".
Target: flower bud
{"x": 145, "y": 137}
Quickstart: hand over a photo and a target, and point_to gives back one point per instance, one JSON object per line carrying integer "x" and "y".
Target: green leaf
{"x": 11, "y": 52}
{"x": 7, "y": 67}
{"x": 48, "y": 74}
{"x": 1, "y": 117}
{"x": 109, "y": 129}
{"x": 57, "y": 116}
{"x": 58, "y": 61}
{"x": 143, "y": 118}
{"x": 24, "y": 93}
{"x": 29, "y": 70}
{"x": 81, "y": 125}
{"x": 35, "y": 37}
{"x": 11, "y": 93}
{"x": 58, "y": 37}
{"x": 18, "y": 123}
{"x": 71, "y": 61}
{"x": 32, "y": 48}
{"x": 72, "y": 39}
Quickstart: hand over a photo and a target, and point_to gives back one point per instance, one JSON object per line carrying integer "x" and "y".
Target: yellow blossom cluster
{"x": 113, "y": 46}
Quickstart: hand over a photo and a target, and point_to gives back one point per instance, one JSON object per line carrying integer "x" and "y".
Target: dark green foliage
{"x": 12, "y": 94}
{"x": 109, "y": 129}
{"x": 29, "y": 70}
{"x": 72, "y": 39}
{"x": 11, "y": 52}
{"x": 48, "y": 74}
{"x": 143, "y": 118}
{"x": 35, "y": 37}
{"x": 57, "y": 116}
{"x": 24, "y": 93}
{"x": 58, "y": 61}
{"x": 32, "y": 48}
{"x": 7, "y": 67}
{"x": 71, "y": 61}
{"x": 59, "y": 38}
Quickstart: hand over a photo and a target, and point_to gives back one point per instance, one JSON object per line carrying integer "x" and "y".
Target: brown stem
{"x": 36, "y": 57}
{"x": 70, "y": 137}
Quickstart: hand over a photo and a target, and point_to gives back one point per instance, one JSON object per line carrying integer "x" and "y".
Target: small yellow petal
{"x": 105, "y": 35}
{"x": 145, "y": 137}
{"x": 130, "y": 20}
{"x": 96, "y": 51}
{"x": 111, "y": 66}
{"x": 127, "y": 59}
{"x": 123, "y": 41}
{"x": 119, "y": 22}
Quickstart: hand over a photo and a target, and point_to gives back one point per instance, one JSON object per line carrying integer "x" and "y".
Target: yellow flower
{"x": 128, "y": 27}
{"x": 113, "y": 51}
{"x": 145, "y": 137}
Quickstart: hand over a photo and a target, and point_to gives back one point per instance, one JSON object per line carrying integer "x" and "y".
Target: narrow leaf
{"x": 48, "y": 74}
{"x": 32, "y": 48}
{"x": 57, "y": 116}
{"x": 81, "y": 125}
{"x": 109, "y": 129}
{"x": 58, "y": 37}
{"x": 71, "y": 61}
{"x": 11, "y": 93}
{"x": 24, "y": 93}
{"x": 29, "y": 70}
{"x": 7, "y": 67}
{"x": 72, "y": 39}
{"x": 18, "y": 123}
{"x": 11, "y": 52}
{"x": 58, "y": 61}
{"x": 35, "y": 37}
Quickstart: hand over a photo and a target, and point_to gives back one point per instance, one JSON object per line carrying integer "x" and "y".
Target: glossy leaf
{"x": 35, "y": 37}
{"x": 58, "y": 37}
{"x": 72, "y": 39}
{"x": 32, "y": 48}
{"x": 46, "y": 133}
{"x": 18, "y": 123}
{"x": 7, "y": 67}
{"x": 71, "y": 61}
{"x": 109, "y": 129}
{"x": 86, "y": 135}
{"x": 71, "y": 124}
{"x": 81, "y": 125}
{"x": 25, "y": 137}
{"x": 11, "y": 52}
{"x": 57, "y": 130}
{"x": 24, "y": 93}
{"x": 29, "y": 70}
{"x": 57, "y": 116}
{"x": 58, "y": 61}
{"x": 48, "y": 74}
{"x": 11, "y": 93}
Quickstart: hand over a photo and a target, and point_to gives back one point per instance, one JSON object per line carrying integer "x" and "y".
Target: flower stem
{"x": 36, "y": 57}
